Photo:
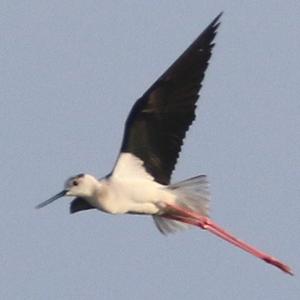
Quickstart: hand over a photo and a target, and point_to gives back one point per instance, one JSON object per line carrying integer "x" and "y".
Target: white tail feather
{"x": 193, "y": 194}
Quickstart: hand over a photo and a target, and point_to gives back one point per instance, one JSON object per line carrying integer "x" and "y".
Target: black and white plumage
{"x": 153, "y": 137}
{"x": 157, "y": 123}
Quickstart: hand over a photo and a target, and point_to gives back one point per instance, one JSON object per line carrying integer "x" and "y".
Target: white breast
{"x": 129, "y": 195}
{"x": 131, "y": 189}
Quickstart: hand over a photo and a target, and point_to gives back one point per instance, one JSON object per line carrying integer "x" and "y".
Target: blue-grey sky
{"x": 70, "y": 72}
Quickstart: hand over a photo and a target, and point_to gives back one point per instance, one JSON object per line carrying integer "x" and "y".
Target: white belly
{"x": 139, "y": 196}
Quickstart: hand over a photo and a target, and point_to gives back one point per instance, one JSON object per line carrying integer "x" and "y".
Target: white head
{"x": 81, "y": 185}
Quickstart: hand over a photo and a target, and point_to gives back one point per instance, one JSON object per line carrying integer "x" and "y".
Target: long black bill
{"x": 50, "y": 200}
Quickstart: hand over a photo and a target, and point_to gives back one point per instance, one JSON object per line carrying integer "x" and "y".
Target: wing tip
{"x": 216, "y": 21}
{"x": 212, "y": 28}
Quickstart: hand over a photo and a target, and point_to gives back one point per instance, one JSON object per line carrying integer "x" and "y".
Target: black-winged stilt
{"x": 153, "y": 136}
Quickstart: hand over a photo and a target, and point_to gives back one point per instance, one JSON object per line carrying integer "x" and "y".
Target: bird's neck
{"x": 99, "y": 191}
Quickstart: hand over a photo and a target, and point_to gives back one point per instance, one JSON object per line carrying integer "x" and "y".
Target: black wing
{"x": 158, "y": 121}
{"x": 79, "y": 204}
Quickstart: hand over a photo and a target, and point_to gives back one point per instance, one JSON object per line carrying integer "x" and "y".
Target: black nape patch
{"x": 79, "y": 175}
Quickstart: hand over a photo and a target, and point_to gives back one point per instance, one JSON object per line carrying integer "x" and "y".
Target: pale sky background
{"x": 70, "y": 72}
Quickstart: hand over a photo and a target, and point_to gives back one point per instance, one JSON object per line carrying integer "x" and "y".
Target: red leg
{"x": 178, "y": 213}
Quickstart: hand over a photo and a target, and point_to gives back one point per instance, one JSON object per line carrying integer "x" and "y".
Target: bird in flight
{"x": 154, "y": 131}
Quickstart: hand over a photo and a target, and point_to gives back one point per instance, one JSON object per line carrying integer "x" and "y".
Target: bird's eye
{"x": 75, "y": 182}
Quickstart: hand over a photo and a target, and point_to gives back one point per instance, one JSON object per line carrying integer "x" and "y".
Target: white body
{"x": 131, "y": 195}
{"x": 130, "y": 189}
